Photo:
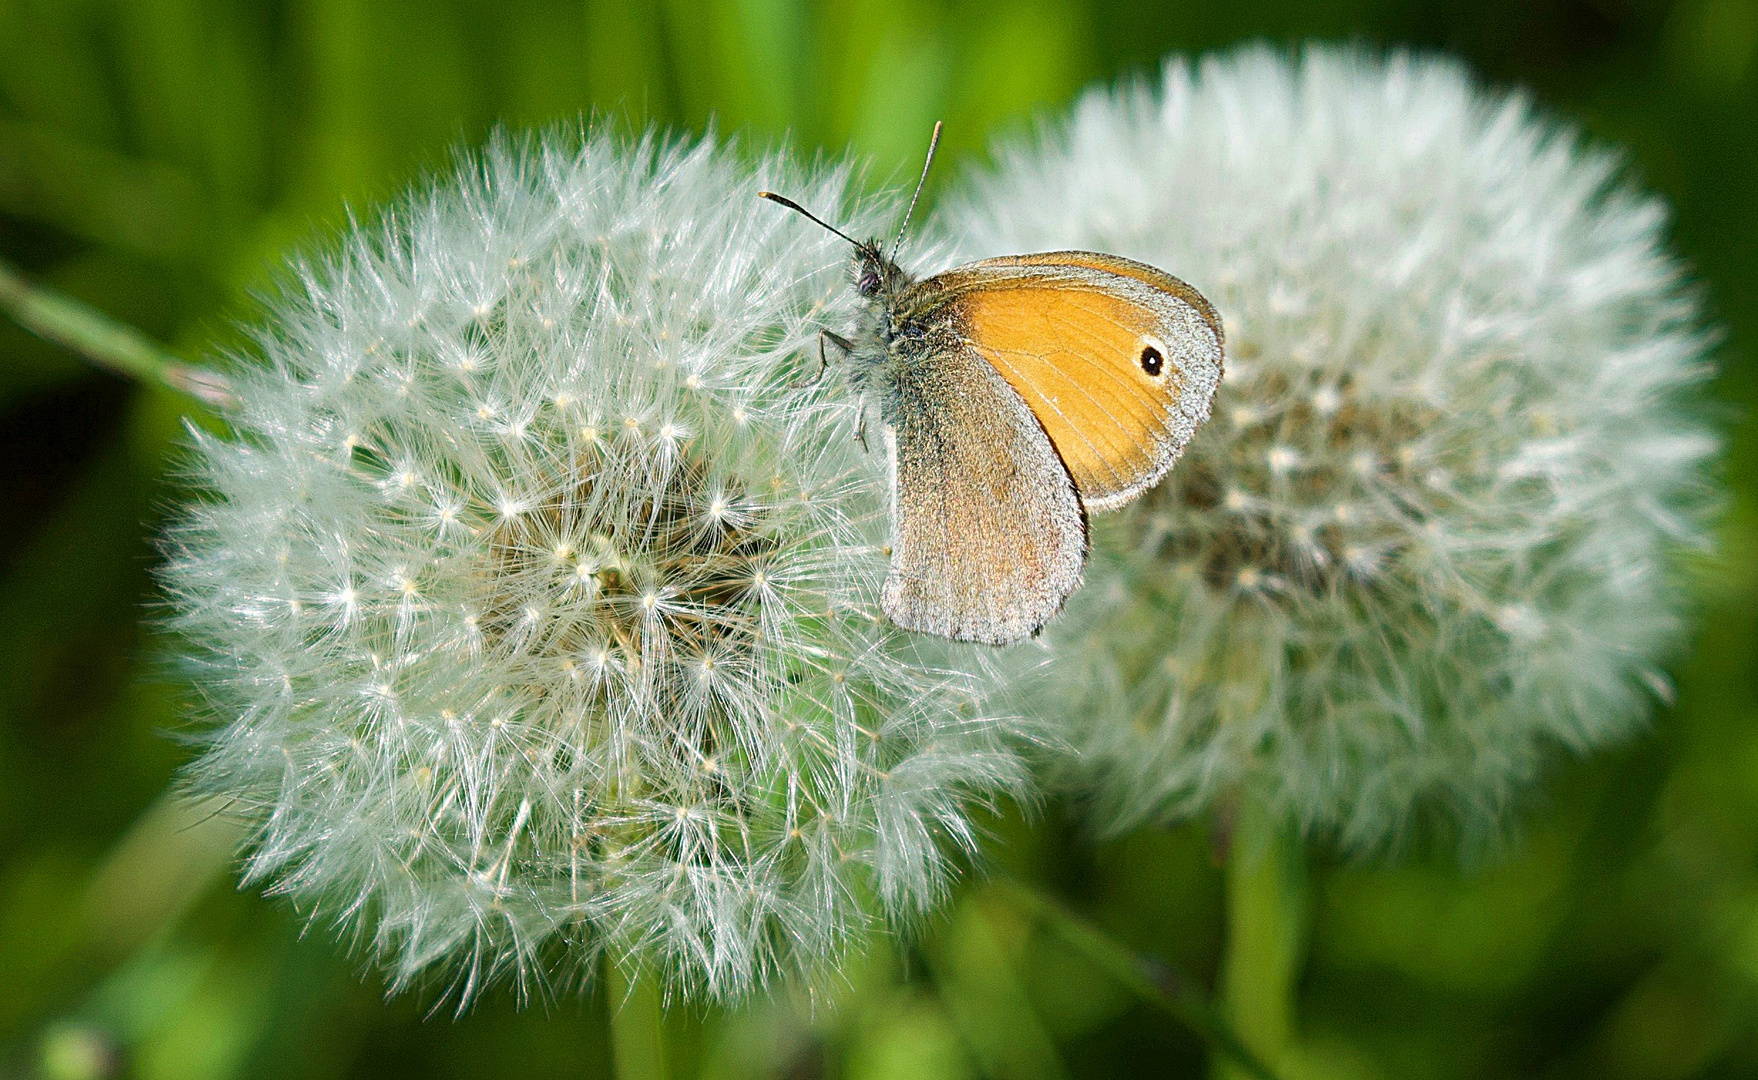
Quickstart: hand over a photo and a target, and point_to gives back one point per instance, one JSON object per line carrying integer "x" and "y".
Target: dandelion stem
{"x": 1266, "y": 936}
{"x": 103, "y": 341}
{"x": 637, "y": 1033}
{"x": 1154, "y": 981}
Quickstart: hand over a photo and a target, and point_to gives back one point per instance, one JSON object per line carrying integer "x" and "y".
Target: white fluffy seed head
{"x": 536, "y": 594}
{"x": 1425, "y": 537}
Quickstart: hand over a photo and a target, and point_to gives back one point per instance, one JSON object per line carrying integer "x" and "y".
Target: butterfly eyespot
{"x": 1152, "y": 360}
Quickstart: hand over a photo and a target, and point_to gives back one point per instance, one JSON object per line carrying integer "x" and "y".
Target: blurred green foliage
{"x": 158, "y": 156}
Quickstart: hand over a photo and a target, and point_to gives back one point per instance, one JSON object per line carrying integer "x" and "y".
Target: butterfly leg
{"x": 847, "y": 347}
{"x": 823, "y": 359}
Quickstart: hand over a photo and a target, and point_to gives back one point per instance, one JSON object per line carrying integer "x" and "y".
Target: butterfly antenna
{"x": 933, "y": 144}
{"x": 798, "y": 209}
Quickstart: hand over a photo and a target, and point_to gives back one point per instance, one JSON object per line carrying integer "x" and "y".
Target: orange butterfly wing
{"x": 1071, "y": 331}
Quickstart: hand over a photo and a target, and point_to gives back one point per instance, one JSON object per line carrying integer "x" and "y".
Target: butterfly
{"x": 1015, "y": 395}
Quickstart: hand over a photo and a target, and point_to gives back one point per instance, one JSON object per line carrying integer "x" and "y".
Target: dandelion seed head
{"x": 574, "y": 687}
{"x": 1426, "y": 540}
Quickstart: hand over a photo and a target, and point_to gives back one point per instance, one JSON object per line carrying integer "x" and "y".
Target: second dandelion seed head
{"x": 1426, "y": 536}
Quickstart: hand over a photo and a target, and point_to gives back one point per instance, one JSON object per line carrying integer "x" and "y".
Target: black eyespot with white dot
{"x": 1152, "y": 361}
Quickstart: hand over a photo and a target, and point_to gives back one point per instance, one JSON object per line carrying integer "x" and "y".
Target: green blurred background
{"x": 157, "y": 156}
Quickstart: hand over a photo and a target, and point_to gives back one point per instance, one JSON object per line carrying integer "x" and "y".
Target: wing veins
{"x": 1118, "y": 442}
{"x": 1057, "y": 409}
{"x": 1061, "y": 326}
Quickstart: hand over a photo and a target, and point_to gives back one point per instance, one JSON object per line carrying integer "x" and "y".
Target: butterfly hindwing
{"x": 988, "y": 534}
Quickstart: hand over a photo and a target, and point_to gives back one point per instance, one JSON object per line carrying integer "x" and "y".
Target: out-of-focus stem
{"x": 176, "y": 850}
{"x": 103, "y": 341}
{"x": 637, "y": 1032}
{"x": 1266, "y": 937}
{"x": 1157, "y": 983}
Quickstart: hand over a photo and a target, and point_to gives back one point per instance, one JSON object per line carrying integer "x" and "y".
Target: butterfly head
{"x": 875, "y": 274}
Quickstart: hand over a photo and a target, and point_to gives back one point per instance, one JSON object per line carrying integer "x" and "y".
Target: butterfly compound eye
{"x": 868, "y": 283}
{"x": 1152, "y": 361}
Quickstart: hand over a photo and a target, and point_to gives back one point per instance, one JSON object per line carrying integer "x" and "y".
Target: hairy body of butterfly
{"x": 1014, "y": 395}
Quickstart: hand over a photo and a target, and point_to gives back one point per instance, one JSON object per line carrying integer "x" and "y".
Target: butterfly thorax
{"x": 900, "y": 315}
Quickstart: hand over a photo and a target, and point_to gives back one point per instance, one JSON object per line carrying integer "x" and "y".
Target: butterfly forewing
{"x": 988, "y": 534}
{"x": 1117, "y": 360}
